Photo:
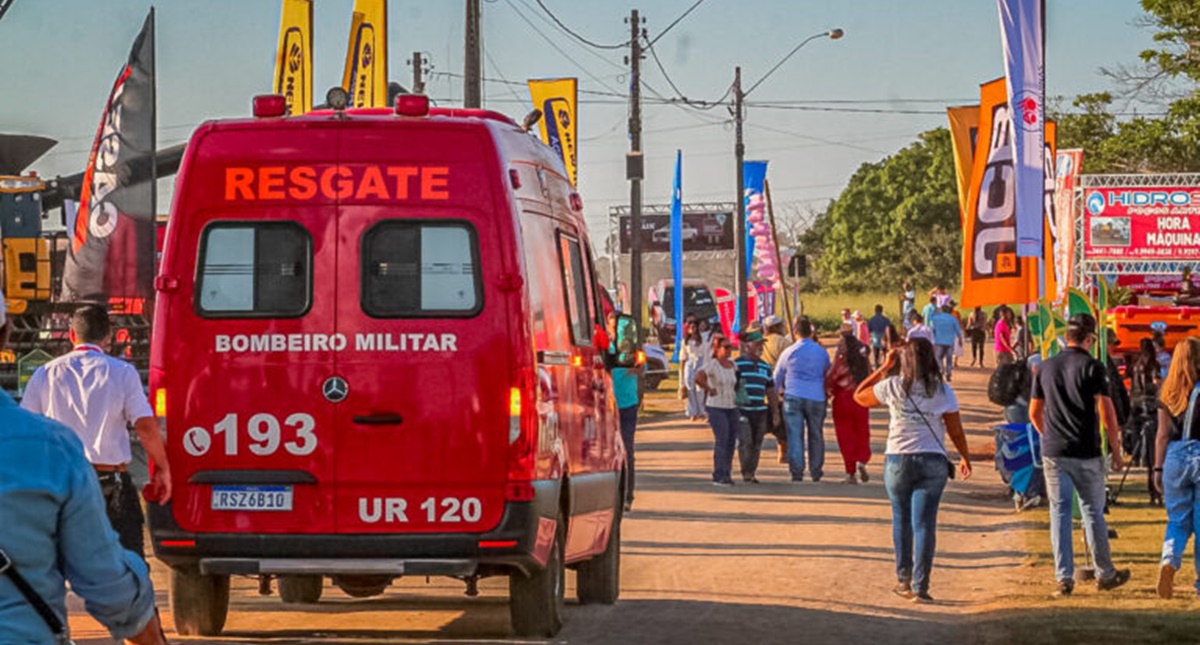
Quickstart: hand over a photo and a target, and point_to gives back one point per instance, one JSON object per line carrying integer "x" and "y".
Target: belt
{"x": 104, "y": 468}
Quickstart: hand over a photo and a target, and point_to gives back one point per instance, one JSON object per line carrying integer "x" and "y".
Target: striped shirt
{"x": 756, "y": 377}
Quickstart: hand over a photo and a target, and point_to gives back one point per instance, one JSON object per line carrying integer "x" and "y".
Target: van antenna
{"x": 531, "y": 119}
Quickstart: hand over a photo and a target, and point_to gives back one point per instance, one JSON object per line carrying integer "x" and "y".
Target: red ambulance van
{"x": 379, "y": 352}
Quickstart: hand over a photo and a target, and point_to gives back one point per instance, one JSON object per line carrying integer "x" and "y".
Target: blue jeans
{"x": 805, "y": 420}
{"x": 724, "y": 423}
{"x": 1181, "y": 497}
{"x": 1064, "y": 477}
{"x": 629, "y": 418}
{"x": 945, "y": 359}
{"x": 914, "y": 483}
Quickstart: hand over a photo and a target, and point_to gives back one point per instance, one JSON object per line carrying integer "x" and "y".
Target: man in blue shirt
{"x": 800, "y": 378}
{"x": 878, "y": 326}
{"x": 625, "y": 391}
{"x": 947, "y": 332}
{"x": 55, "y": 530}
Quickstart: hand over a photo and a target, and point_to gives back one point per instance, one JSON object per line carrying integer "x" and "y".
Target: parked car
{"x": 663, "y": 235}
{"x": 698, "y": 301}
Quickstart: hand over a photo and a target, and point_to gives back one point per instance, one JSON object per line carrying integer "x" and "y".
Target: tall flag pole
{"x": 294, "y": 57}
{"x": 111, "y": 254}
{"x": 677, "y": 251}
{"x": 1022, "y": 32}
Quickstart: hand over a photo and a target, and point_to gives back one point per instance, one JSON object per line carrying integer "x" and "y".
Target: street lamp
{"x": 739, "y": 151}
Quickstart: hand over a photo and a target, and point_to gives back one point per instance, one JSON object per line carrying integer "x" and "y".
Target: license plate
{"x": 252, "y": 498}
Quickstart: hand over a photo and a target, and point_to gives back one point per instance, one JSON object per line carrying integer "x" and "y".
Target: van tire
{"x": 301, "y": 590}
{"x": 199, "y": 603}
{"x": 598, "y": 580}
{"x": 537, "y": 600}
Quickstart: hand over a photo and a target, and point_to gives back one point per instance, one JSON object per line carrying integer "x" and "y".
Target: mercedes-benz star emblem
{"x": 335, "y": 389}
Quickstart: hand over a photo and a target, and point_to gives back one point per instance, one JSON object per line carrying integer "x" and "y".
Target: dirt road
{"x": 767, "y": 563}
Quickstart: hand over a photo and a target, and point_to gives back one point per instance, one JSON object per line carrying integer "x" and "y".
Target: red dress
{"x": 851, "y": 421}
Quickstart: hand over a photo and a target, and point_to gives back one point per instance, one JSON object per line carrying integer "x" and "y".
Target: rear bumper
{"x": 510, "y": 545}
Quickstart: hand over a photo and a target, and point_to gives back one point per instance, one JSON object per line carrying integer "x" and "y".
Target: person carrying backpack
{"x": 851, "y": 421}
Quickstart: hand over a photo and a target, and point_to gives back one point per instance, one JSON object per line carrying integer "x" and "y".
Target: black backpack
{"x": 1008, "y": 383}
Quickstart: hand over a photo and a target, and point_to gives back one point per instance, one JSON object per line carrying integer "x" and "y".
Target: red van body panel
{"x": 387, "y": 414}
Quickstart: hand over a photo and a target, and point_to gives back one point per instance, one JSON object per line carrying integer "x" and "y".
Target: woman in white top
{"x": 695, "y": 351}
{"x": 923, "y": 410}
{"x": 718, "y": 378}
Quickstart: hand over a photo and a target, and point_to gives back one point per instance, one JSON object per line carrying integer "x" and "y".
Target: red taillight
{"x": 158, "y": 396}
{"x": 514, "y": 178}
{"x": 497, "y": 544}
{"x": 179, "y": 544}
{"x": 576, "y": 202}
{"x": 522, "y": 437}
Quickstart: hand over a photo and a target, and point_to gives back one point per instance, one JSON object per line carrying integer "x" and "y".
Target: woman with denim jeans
{"x": 718, "y": 379}
{"x": 1177, "y": 461}
{"x": 923, "y": 410}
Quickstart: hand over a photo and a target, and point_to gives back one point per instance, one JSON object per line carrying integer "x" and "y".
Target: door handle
{"x": 379, "y": 420}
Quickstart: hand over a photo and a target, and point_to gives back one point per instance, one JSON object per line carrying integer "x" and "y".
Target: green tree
{"x": 1166, "y": 76}
{"x": 896, "y": 220}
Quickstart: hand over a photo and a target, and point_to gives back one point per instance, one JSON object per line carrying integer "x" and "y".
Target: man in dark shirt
{"x": 878, "y": 326}
{"x": 756, "y": 379}
{"x": 1070, "y": 394}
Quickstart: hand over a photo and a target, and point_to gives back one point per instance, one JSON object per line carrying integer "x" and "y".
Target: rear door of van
{"x": 247, "y": 344}
{"x": 423, "y": 430}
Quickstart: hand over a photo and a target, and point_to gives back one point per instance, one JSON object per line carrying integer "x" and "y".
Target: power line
{"x": 700, "y": 105}
{"x": 587, "y": 50}
{"x": 574, "y": 34}
{"x": 675, "y": 22}
{"x": 560, "y": 50}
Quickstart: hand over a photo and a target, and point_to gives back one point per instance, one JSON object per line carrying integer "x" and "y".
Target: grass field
{"x": 1131, "y": 614}
{"x": 826, "y": 308}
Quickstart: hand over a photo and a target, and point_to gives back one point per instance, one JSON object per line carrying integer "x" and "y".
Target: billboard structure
{"x": 706, "y": 227}
{"x": 1137, "y": 225}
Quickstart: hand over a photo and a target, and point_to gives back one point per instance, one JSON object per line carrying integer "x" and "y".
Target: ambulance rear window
{"x": 421, "y": 269}
{"x": 254, "y": 269}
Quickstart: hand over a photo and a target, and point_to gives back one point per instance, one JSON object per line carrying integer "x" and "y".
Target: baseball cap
{"x": 752, "y": 336}
{"x": 771, "y": 321}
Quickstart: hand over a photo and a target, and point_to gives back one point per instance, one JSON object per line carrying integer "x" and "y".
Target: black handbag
{"x": 950, "y": 469}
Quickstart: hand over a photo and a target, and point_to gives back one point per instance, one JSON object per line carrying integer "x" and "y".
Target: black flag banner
{"x": 112, "y": 252}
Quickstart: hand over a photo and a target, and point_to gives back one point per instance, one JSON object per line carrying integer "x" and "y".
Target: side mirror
{"x": 627, "y": 345}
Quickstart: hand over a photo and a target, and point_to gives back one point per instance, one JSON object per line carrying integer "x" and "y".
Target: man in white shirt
{"x": 919, "y": 329}
{"x": 99, "y": 397}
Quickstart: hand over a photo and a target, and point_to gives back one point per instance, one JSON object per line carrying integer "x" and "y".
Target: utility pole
{"x": 473, "y": 61}
{"x": 739, "y": 224}
{"x": 418, "y": 65}
{"x": 635, "y": 168}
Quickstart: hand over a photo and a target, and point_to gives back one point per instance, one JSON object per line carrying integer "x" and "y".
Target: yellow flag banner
{"x": 992, "y": 273}
{"x": 293, "y": 60}
{"x": 557, "y": 98}
{"x": 365, "y": 74}
{"x": 964, "y": 128}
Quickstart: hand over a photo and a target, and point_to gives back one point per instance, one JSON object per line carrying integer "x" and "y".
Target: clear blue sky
{"x": 61, "y": 57}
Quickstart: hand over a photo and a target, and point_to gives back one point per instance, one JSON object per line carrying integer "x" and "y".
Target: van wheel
{"x": 599, "y": 579}
{"x": 536, "y": 600}
{"x": 199, "y": 602}
{"x": 301, "y": 590}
